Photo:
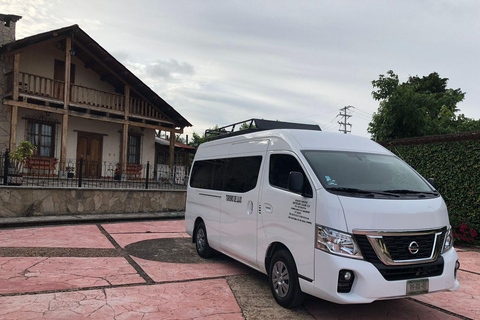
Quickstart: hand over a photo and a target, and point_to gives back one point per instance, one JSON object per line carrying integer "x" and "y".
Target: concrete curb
{"x": 14, "y": 222}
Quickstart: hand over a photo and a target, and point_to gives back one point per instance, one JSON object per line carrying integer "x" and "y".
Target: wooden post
{"x": 13, "y": 128}
{"x": 172, "y": 149}
{"x": 124, "y": 147}
{"x": 123, "y": 160}
{"x": 66, "y": 99}
{"x": 68, "y": 63}
{"x": 63, "y": 155}
{"x": 16, "y": 73}
{"x": 14, "y": 115}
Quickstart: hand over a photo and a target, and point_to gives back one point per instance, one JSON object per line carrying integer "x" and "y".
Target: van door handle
{"x": 250, "y": 207}
{"x": 268, "y": 208}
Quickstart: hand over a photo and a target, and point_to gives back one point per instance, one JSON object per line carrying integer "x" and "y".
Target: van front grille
{"x": 389, "y": 253}
{"x": 398, "y": 246}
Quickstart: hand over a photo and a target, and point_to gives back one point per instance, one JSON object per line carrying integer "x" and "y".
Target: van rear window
{"x": 227, "y": 174}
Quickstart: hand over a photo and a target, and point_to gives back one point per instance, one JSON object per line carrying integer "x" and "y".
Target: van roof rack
{"x": 253, "y": 125}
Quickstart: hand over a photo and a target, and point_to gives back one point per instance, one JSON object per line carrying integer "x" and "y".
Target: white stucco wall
{"x": 112, "y": 135}
{"x": 41, "y": 61}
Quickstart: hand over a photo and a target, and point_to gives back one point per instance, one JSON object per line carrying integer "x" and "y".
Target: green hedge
{"x": 455, "y": 165}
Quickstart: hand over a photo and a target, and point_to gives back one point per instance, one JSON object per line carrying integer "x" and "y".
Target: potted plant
{"x": 70, "y": 172}
{"x": 117, "y": 175}
{"x": 17, "y": 161}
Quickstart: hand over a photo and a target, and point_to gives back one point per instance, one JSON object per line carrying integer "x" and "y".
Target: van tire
{"x": 201, "y": 241}
{"x": 283, "y": 280}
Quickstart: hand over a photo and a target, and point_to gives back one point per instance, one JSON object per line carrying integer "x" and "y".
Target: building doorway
{"x": 90, "y": 146}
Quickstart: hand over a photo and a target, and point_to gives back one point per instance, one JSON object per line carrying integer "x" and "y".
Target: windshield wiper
{"x": 406, "y": 191}
{"x": 361, "y": 191}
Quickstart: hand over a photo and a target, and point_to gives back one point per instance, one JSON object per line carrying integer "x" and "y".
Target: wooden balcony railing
{"x": 49, "y": 89}
{"x": 141, "y": 107}
{"x": 97, "y": 98}
{"x": 40, "y": 86}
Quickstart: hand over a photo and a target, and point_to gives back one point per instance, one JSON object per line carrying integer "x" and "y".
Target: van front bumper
{"x": 369, "y": 284}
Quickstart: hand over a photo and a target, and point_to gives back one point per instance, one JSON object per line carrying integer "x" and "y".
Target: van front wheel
{"x": 201, "y": 241}
{"x": 283, "y": 280}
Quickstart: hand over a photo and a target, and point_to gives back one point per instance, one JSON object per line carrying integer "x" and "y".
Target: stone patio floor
{"x": 150, "y": 270}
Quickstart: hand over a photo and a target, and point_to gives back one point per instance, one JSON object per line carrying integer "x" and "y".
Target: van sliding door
{"x": 239, "y": 208}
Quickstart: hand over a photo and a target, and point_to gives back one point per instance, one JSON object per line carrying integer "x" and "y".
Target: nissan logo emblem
{"x": 413, "y": 247}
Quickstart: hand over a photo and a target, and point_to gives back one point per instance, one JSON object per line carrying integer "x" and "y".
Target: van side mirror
{"x": 295, "y": 182}
{"x": 432, "y": 182}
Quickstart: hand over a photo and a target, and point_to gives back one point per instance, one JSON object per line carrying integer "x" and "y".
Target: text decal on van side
{"x": 299, "y": 209}
{"x": 236, "y": 199}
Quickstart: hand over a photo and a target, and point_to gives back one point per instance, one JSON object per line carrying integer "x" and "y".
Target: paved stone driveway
{"x": 150, "y": 270}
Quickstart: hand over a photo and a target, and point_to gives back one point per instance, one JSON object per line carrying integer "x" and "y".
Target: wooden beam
{"x": 86, "y": 116}
{"x": 66, "y": 99}
{"x": 13, "y": 128}
{"x": 31, "y": 46}
{"x": 90, "y": 64}
{"x": 150, "y": 126}
{"x": 32, "y": 106}
{"x": 124, "y": 147}
{"x": 16, "y": 74}
{"x": 125, "y": 129}
{"x": 151, "y": 119}
{"x": 99, "y": 109}
{"x": 63, "y": 153}
{"x": 68, "y": 62}
{"x": 106, "y": 77}
{"x": 172, "y": 149}
{"x": 127, "y": 101}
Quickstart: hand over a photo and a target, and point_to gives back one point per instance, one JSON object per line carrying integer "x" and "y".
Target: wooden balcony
{"x": 50, "y": 92}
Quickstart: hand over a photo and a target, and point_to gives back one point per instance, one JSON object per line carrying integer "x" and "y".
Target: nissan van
{"x": 331, "y": 215}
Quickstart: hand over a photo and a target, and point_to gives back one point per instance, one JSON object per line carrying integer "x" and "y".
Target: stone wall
{"x": 7, "y": 34}
{"x": 5, "y": 113}
{"x": 27, "y": 202}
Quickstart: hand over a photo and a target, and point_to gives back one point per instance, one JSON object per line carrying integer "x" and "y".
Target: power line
{"x": 365, "y": 112}
{"x": 324, "y": 125}
{"x": 361, "y": 116}
{"x": 345, "y": 116}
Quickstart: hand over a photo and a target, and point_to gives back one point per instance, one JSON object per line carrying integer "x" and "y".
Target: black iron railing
{"x": 48, "y": 172}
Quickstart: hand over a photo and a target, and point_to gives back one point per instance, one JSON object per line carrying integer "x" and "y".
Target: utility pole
{"x": 345, "y": 117}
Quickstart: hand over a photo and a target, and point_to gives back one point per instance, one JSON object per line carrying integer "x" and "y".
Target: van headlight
{"x": 448, "y": 242}
{"x": 337, "y": 242}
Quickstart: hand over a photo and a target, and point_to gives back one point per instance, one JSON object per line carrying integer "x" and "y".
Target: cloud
{"x": 168, "y": 69}
{"x": 219, "y": 62}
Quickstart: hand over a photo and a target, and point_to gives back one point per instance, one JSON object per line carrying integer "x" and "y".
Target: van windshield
{"x": 365, "y": 173}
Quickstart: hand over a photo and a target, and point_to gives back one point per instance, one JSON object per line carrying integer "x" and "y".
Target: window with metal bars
{"x": 42, "y": 136}
{"x": 133, "y": 152}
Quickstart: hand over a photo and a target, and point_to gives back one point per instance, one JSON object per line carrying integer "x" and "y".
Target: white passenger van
{"x": 335, "y": 216}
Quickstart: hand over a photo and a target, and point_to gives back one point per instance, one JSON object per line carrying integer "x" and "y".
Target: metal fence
{"x": 48, "y": 172}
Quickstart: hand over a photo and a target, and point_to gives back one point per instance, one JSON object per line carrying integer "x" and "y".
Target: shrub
{"x": 464, "y": 234}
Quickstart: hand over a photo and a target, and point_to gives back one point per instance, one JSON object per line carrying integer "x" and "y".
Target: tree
{"x": 180, "y": 139}
{"x": 197, "y": 140}
{"x": 418, "y": 107}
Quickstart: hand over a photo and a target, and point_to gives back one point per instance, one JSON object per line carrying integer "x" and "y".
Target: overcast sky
{"x": 218, "y": 62}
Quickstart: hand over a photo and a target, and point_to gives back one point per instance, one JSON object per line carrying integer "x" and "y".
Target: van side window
{"x": 208, "y": 174}
{"x": 242, "y": 174}
{"x": 228, "y": 174}
{"x": 280, "y": 167}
